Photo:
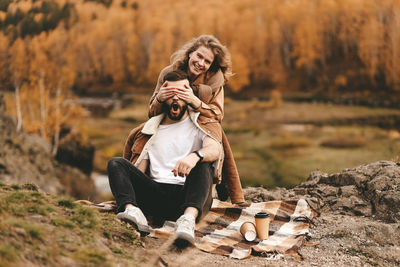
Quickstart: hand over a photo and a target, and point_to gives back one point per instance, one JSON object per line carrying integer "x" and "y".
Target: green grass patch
{"x": 34, "y": 230}
{"x": 90, "y": 257}
{"x": 117, "y": 250}
{"x": 8, "y": 253}
{"x": 68, "y": 203}
{"x": 40, "y": 209}
{"x": 61, "y": 222}
{"x": 19, "y": 197}
{"x": 85, "y": 217}
{"x": 15, "y": 187}
{"x": 21, "y": 203}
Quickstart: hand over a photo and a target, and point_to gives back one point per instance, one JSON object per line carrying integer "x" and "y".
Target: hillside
{"x": 359, "y": 226}
{"x": 39, "y": 229}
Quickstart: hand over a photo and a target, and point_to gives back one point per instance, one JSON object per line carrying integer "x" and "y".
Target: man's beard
{"x": 167, "y": 109}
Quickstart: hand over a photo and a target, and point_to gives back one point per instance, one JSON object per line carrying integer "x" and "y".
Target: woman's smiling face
{"x": 200, "y": 60}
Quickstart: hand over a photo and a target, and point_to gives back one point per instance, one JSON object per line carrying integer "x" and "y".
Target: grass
{"x": 91, "y": 257}
{"x": 272, "y": 147}
{"x": 8, "y": 253}
{"x": 68, "y": 203}
{"x": 39, "y": 229}
{"x": 60, "y": 221}
{"x": 29, "y": 231}
{"x": 85, "y": 217}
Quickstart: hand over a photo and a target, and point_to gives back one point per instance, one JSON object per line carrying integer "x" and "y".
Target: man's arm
{"x": 211, "y": 150}
{"x": 143, "y": 165}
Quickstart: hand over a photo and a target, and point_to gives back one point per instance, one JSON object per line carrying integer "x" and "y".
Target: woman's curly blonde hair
{"x": 222, "y": 57}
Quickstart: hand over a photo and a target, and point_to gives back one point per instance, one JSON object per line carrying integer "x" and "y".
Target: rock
{"x": 76, "y": 183}
{"x": 75, "y": 153}
{"x": 347, "y": 191}
{"x": 100, "y": 107}
{"x": 371, "y": 190}
{"x": 259, "y": 194}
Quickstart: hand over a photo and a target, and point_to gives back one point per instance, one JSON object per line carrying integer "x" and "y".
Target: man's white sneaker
{"x": 135, "y": 216}
{"x": 185, "y": 229}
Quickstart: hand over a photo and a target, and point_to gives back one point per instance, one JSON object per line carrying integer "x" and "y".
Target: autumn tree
{"x": 18, "y": 69}
{"x": 289, "y": 45}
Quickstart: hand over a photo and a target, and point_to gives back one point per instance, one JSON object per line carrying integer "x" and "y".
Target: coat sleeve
{"x": 213, "y": 107}
{"x": 127, "y": 153}
{"x": 155, "y": 106}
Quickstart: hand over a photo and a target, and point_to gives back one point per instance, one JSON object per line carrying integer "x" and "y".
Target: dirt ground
{"x": 344, "y": 241}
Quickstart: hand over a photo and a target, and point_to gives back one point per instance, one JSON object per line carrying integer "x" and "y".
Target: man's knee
{"x": 115, "y": 163}
{"x": 204, "y": 167}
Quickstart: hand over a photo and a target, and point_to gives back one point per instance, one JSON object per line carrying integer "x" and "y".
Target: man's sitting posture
{"x": 174, "y": 163}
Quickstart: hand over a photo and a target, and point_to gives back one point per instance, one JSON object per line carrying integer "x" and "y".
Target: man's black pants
{"x": 165, "y": 201}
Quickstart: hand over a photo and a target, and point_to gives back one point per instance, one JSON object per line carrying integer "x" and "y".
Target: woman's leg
{"x": 230, "y": 185}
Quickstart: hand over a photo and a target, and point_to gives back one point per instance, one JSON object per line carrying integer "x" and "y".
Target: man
{"x": 174, "y": 163}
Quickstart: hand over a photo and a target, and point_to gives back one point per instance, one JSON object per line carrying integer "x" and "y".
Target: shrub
{"x": 344, "y": 142}
{"x": 289, "y": 142}
{"x": 68, "y": 203}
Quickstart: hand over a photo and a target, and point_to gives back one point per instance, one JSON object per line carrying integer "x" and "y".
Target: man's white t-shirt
{"x": 173, "y": 142}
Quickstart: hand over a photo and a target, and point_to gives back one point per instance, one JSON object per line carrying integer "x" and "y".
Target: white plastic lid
{"x": 250, "y": 235}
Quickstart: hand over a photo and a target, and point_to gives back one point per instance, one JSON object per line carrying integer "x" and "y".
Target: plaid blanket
{"x": 218, "y": 232}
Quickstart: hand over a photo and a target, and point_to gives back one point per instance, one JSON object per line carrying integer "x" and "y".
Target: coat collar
{"x": 151, "y": 126}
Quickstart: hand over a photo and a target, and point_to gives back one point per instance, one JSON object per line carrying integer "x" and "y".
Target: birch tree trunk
{"x": 42, "y": 105}
{"x": 18, "y": 104}
{"x": 58, "y": 119}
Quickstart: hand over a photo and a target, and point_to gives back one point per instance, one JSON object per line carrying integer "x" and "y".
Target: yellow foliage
{"x": 341, "y": 80}
{"x": 241, "y": 77}
{"x": 2, "y": 15}
{"x": 132, "y": 40}
{"x": 288, "y": 141}
{"x": 394, "y": 135}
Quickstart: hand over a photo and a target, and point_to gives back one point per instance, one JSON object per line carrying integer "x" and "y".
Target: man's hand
{"x": 185, "y": 165}
{"x": 186, "y": 94}
{"x": 165, "y": 92}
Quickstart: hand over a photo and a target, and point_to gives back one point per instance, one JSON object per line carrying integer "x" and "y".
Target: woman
{"x": 208, "y": 65}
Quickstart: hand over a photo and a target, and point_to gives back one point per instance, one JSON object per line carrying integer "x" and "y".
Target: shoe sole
{"x": 144, "y": 230}
{"x": 183, "y": 240}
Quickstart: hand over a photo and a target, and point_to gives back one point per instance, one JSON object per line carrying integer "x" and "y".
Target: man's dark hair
{"x": 176, "y": 75}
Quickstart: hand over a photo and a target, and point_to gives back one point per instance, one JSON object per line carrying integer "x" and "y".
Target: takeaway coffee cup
{"x": 262, "y": 224}
{"x": 248, "y": 230}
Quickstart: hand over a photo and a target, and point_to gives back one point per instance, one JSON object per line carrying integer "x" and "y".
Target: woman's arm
{"x": 155, "y": 105}
{"x": 215, "y": 108}
{"x": 208, "y": 98}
